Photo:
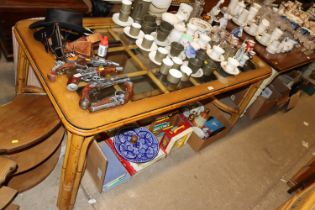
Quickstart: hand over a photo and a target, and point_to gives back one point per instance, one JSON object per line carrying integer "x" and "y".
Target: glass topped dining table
{"x": 152, "y": 94}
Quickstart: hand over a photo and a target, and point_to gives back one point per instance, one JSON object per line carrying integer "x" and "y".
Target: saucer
{"x": 153, "y": 47}
{"x": 152, "y": 58}
{"x": 127, "y": 30}
{"x": 235, "y": 20}
{"x": 162, "y": 44}
{"x": 246, "y": 29}
{"x": 119, "y": 22}
{"x": 258, "y": 38}
{"x": 215, "y": 59}
{"x": 236, "y": 71}
{"x": 198, "y": 73}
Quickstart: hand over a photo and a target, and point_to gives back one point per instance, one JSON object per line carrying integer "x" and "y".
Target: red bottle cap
{"x": 104, "y": 41}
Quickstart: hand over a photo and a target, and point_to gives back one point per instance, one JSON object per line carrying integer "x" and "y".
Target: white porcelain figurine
{"x": 215, "y": 11}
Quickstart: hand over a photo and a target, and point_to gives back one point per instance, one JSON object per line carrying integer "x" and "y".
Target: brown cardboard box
{"x": 196, "y": 143}
{"x": 280, "y": 87}
{"x": 96, "y": 165}
{"x": 263, "y": 104}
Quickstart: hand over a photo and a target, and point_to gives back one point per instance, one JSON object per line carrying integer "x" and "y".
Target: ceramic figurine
{"x": 215, "y": 11}
{"x": 237, "y": 32}
{"x": 224, "y": 21}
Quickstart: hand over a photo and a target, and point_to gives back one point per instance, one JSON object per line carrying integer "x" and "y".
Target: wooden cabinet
{"x": 12, "y": 11}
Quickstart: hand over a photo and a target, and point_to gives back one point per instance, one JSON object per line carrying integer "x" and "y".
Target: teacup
{"x": 177, "y": 62}
{"x": 123, "y": 16}
{"x": 184, "y": 11}
{"x": 271, "y": 49}
{"x": 216, "y": 52}
{"x": 204, "y": 41}
{"x": 276, "y": 34}
{"x": 161, "y": 53}
{"x": 232, "y": 63}
{"x": 147, "y": 41}
{"x": 231, "y": 7}
{"x": 263, "y": 25}
{"x": 126, "y": 5}
{"x": 242, "y": 19}
{"x": 176, "y": 49}
{"x": 202, "y": 55}
{"x": 186, "y": 71}
{"x": 195, "y": 64}
{"x": 253, "y": 29}
{"x": 174, "y": 76}
{"x": 166, "y": 26}
{"x": 239, "y": 8}
{"x": 135, "y": 29}
{"x": 148, "y": 27}
{"x": 265, "y": 38}
{"x": 167, "y": 64}
{"x": 149, "y": 18}
{"x": 252, "y": 13}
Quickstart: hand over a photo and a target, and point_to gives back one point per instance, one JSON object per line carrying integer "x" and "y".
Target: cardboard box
{"x": 282, "y": 91}
{"x": 263, "y": 104}
{"x": 177, "y": 136}
{"x": 135, "y": 168}
{"x": 104, "y": 167}
{"x": 197, "y": 143}
{"x": 276, "y": 95}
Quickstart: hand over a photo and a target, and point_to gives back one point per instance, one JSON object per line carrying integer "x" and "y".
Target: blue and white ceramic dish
{"x": 136, "y": 145}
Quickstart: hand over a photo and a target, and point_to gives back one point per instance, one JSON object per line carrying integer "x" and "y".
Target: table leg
{"x": 22, "y": 69}
{"x": 245, "y": 101}
{"x": 72, "y": 169}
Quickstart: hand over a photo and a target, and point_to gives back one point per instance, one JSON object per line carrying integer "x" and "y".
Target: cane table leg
{"x": 245, "y": 101}
{"x": 72, "y": 169}
{"x": 22, "y": 69}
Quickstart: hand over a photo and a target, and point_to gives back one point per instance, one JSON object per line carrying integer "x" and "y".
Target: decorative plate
{"x": 136, "y": 145}
{"x": 203, "y": 26}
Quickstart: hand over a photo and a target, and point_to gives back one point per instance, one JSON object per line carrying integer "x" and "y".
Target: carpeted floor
{"x": 245, "y": 170}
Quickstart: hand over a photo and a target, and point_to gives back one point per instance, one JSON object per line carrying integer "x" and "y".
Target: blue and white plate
{"x": 143, "y": 150}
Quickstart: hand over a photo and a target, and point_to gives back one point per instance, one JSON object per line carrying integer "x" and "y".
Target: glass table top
{"x": 144, "y": 74}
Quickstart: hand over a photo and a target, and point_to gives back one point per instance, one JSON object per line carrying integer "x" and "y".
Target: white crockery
{"x": 184, "y": 11}
{"x": 263, "y": 25}
{"x": 242, "y": 19}
{"x": 232, "y": 63}
{"x": 170, "y": 18}
{"x": 204, "y": 40}
{"x": 216, "y": 52}
{"x": 276, "y": 34}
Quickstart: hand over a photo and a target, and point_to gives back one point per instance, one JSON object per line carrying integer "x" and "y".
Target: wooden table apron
{"x": 82, "y": 126}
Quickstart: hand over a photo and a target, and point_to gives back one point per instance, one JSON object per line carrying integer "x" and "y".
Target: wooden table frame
{"x": 80, "y": 137}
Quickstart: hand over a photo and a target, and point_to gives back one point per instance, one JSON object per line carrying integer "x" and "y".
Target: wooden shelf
{"x": 32, "y": 157}
{"x": 33, "y": 177}
{"x": 26, "y": 121}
